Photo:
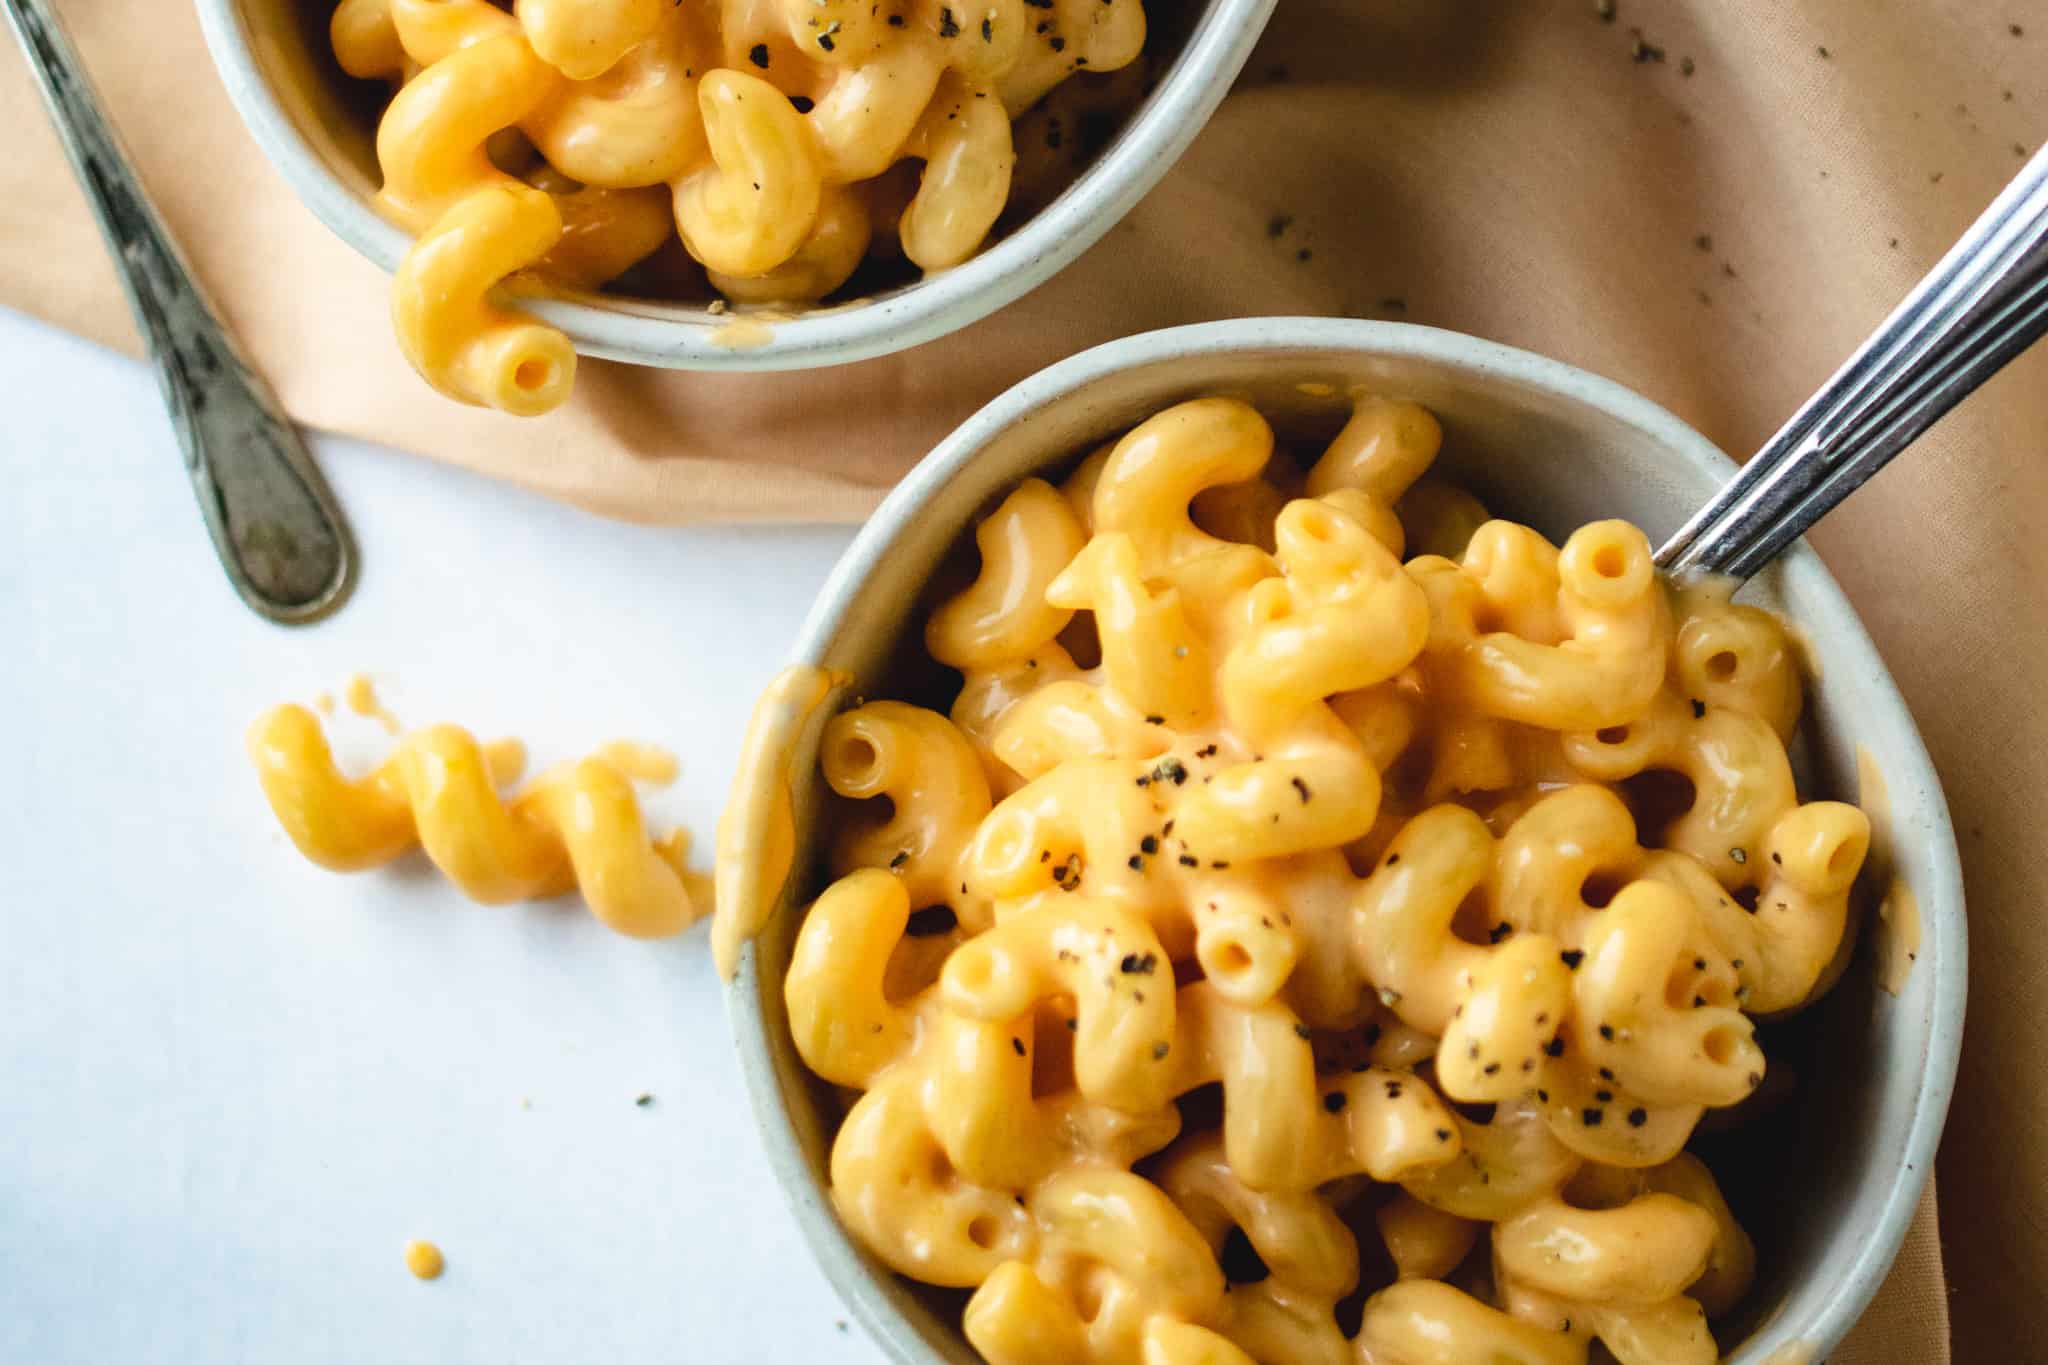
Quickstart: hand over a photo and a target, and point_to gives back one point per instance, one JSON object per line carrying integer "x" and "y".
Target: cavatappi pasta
{"x": 576, "y": 827}
{"x": 564, "y": 142}
{"x": 1277, "y": 900}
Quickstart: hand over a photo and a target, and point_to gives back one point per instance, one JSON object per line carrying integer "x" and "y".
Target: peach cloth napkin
{"x": 1709, "y": 202}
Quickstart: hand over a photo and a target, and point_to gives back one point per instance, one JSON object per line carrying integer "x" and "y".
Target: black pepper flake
{"x": 1499, "y": 932}
{"x": 1756, "y": 1078}
{"x": 949, "y": 27}
{"x": 1638, "y": 1117}
{"x": 1776, "y": 858}
{"x": 1543, "y": 1096}
{"x": 1604, "y": 1096}
{"x": 1703, "y": 242}
{"x": 1607, "y": 1032}
{"x": 1685, "y": 66}
{"x": 1443, "y": 1135}
{"x": 825, "y": 41}
{"x": 1642, "y": 49}
{"x": 1393, "y": 858}
{"x": 2015, "y": 30}
{"x": 1591, "y": 1117}
{"x": 1302, "y": 1031}
{"x": 902, "y": 857}
{"x": 1606, "y": 1074}
{"x": 1219, "y": 864}
{"x": 1472, "y": 1052}
{"x": 1039, "y": 4}
{"x": 1393, "y": 1090}
{"x": 1134, "y": 965}
{"x": 988, "y": 30}
{"x": 1491, "y": 1069}
{"x": 1148, "y": 844}
{"x": 1072, "y": 1026}
{"x": 1206, "y": 751}
{"x": 758, "y": 55}
{"x": 1304, "y": 254}
{"x": 1823, "y": 52}
{"x": 1155, "y": 720}
{"x": 1278, "y": 224}
{"x": 1699, "y": 708}
{"x": 1070, "y": 873}
{"x": 1137, "y": 863}
{"x": 801, "y": 103}
{"x": 1334, "y": 1102}
{"x": 1159, "y": 1051}
{"x": 1301, "y": 789}
{"x": 895, "y": 21}
{"x": 1736, "y": 964}
{"x": 1017, "y": 1046}
{"x": 1554, "y": 1048}
{"x": 1189, "y": 860}
{"x": 1572, "y": 957}
{"x": 1057, "y": 44}
{"x": 1170, "y": 770}
{"x": 1528, "y": 1063}
{"x": 643, "y": 1100}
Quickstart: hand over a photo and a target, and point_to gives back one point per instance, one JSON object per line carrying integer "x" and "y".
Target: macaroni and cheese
{"x": 574, "y": 827}
{"x": 565, "y": 141}
{"x": 1284, "y": 878}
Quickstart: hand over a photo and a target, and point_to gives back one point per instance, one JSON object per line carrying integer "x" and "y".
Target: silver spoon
{"x": 1979, "y": 308}
{"x": 275, "y": 524}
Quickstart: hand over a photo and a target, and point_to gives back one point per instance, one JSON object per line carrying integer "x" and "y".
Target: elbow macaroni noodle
{"x": 561, "y": 142}
{"x": 1217, "y": 941}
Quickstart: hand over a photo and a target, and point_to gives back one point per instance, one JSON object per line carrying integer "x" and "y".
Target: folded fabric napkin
{"x": 1711, "y": 203}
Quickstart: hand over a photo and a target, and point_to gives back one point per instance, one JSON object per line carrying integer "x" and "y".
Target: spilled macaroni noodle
{"x": 560, "y": 143}
{"x": 577, "y": 826}
{"x": 1395, "y": 874}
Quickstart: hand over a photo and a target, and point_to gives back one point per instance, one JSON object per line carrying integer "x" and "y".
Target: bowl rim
{"x": 666, "y": 336}
{"x": 859, "y": 1280}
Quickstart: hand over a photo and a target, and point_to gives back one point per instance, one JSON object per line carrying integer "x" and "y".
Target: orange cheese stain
{"x": 424, "y": 1260}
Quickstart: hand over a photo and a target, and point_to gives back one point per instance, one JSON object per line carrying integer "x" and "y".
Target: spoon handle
{"x": 1981, "y": 306}
{"x": 275, "y": 524}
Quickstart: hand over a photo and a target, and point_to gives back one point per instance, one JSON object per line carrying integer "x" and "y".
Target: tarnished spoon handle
{"x": 280, "y": 535}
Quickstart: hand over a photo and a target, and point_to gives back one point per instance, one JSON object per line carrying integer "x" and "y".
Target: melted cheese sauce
{"x": 743, "y": 334}
{"x": 361, "y": 696}
{"x": 424, "y": 1260}
{"x": 757, "y": 833}
{"x": 1898, "y": 914}
{"x": 648, "y": 763}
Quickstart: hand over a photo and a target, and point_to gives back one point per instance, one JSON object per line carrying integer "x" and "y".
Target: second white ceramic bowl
{"x": 312, "y": 123}
{"x": 1827, "y": 1185}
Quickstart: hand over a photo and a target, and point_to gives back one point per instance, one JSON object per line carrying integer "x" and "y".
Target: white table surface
{"x": 232, "y": 1085}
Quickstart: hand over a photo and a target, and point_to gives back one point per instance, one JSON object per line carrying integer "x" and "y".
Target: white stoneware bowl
{"x": 313, "y": 124}
{"x": 1828, "y": 1185}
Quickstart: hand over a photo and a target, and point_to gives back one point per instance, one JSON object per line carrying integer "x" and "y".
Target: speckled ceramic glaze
{"x": 1830, "y": 1183}
{"x": 272, "y": 57}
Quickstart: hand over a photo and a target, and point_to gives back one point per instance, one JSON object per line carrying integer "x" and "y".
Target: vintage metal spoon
{"x": 1978, "y": 309}
{"x": 274, "y": 522}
